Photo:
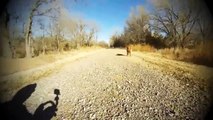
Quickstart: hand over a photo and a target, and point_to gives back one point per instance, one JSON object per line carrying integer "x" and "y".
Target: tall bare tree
{"x": 176, "y": 19}
{"x": 35, "y": 11}
{"x": 4, "y": 32}
{"x": 137, "y": 24}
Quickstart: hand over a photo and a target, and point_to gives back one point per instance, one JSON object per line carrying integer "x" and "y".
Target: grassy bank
{"x": 202, "y": 54}
{"x": 9, "y": 66}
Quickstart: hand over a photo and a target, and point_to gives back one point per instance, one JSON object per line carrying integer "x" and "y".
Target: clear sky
{"x": 110, "y": 15}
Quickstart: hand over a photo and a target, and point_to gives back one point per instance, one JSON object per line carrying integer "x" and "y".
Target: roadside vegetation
{"x": 42, "y": 32}
{"x": 179, "y": 30}
{"x": 21, "y": 64}
{"x": 44, "y": 27}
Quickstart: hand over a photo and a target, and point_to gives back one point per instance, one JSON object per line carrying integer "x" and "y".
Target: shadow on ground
{"x": 16, "y": 110}
{"x": 120, "y": 54}
{"x": 209, "y": 115}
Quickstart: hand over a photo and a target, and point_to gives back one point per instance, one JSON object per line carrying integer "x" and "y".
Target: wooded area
{"x": 167, "y": 23}
{"x": 46, "y": 27}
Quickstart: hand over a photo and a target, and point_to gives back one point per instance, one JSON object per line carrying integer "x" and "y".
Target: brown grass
{"x": 9, "y": 66}
{"x": 201, "y": 54}
{"x": 143, "y": 47}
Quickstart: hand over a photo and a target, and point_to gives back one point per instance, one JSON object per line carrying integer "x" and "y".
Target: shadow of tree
{"x": 16, "y": 110}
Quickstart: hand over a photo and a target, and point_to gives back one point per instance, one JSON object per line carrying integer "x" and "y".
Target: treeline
{"x": 48, "y": 45}
{"x": 44, "y": 26}
{"x": 167, "y": 23}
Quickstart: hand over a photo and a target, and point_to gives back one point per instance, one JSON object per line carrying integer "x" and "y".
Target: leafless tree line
{"x": 59, "y": 31}
{"x": 170, "y": 23}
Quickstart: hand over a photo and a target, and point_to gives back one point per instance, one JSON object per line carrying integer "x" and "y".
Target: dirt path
{"x": 110, "y": 85}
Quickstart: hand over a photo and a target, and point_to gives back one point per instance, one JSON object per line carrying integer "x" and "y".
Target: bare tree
{"x": 58, "y": 36}
{"x": 7, "y": 48}
{"x": 135, "y": 32}
{"x": 43, "y": 44}
{"x": 204, "y": 23}
{"x": 33, "y": 12}
{"x": 82, "y": 28}
{"x": 91, "y": 35}
{"x": 176, "y": 19}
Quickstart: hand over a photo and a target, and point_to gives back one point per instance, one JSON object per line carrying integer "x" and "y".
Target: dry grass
{"x": 9, "y": 66}
{"x": 204, "y": 54}
{"x": 144, "y": 47}
{"x": 201, "y": 54}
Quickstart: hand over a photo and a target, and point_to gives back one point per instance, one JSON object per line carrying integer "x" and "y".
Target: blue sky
{"x": 110, "y": 15}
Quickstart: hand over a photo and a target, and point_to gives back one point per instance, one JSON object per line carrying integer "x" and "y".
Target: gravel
{"x": 106, "y": 86}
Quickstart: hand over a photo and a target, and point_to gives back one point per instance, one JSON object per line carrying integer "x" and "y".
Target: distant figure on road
{"x": 129, "y": 50}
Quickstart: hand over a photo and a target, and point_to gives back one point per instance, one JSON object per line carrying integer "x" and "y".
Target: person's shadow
{"x": 16, "y": 110}
{"x": 47, "y": 113}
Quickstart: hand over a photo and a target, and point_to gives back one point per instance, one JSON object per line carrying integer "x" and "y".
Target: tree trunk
{"x": 12, "y": 49}
{"x": 43, "y": 48}
{"x": 4, "y": 35}
{"x": 6, "y": 51}
{"x": 28, "y": 37}
{"x": 57, "y": 43}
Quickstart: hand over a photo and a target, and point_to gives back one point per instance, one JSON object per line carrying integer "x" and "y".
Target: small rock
{"x": 119, "y": 87}
{"x": 171, "y": 113}
{"x": 92, "y": 116}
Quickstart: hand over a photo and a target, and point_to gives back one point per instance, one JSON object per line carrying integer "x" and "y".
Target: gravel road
{"x": 110, "y": 85}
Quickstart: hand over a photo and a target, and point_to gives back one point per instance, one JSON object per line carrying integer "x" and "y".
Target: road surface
{"x": 110, "y": 85}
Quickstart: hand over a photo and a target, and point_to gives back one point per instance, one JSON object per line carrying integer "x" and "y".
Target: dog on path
{"x": 129, "y": 50}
